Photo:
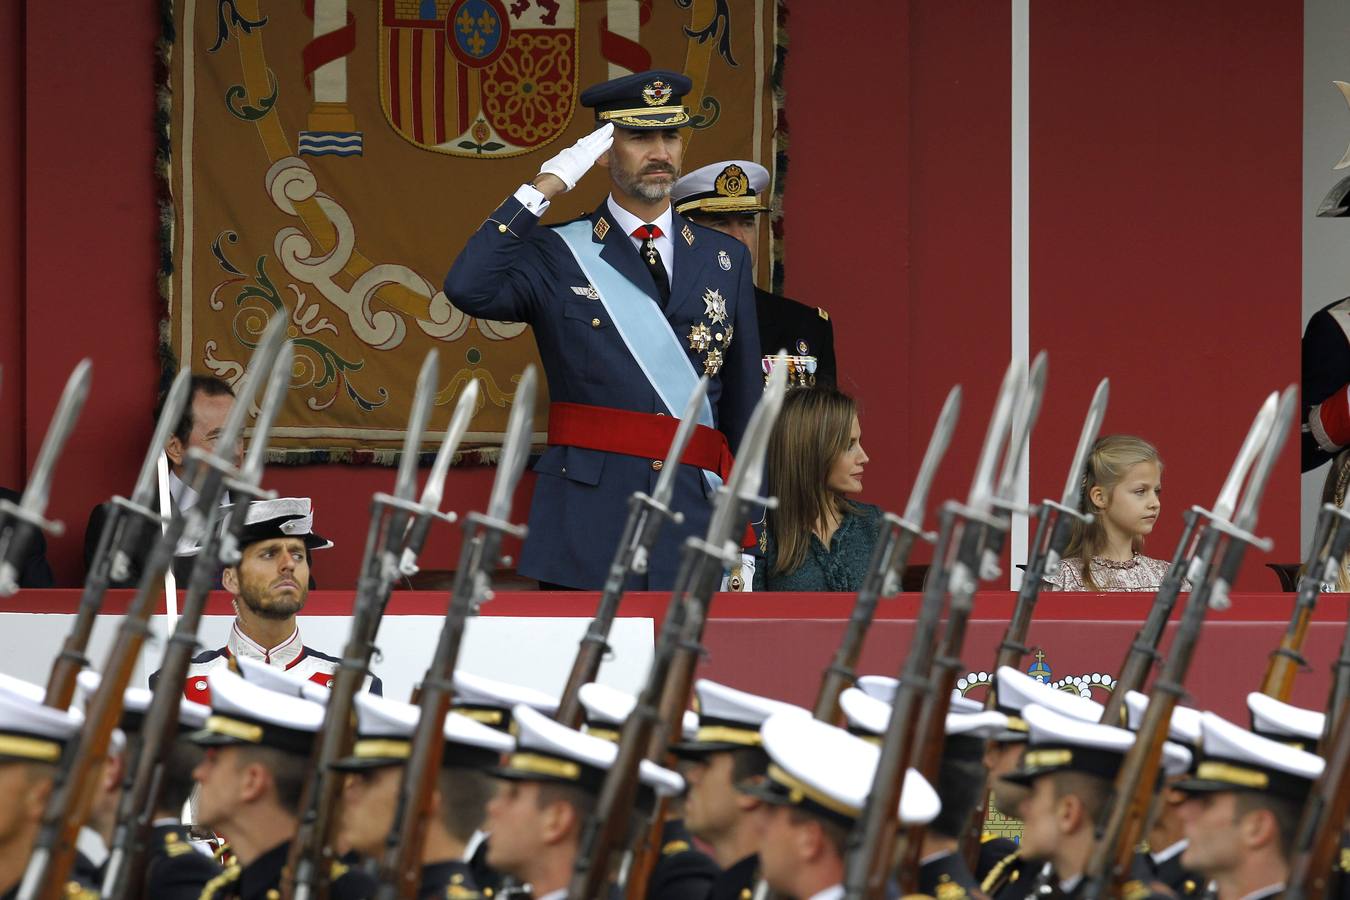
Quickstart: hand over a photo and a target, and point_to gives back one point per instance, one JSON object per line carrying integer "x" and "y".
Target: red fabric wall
{"x": 1165, "y": 176}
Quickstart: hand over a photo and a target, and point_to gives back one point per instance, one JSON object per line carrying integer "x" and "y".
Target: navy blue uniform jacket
{"x": 527, "y": 274}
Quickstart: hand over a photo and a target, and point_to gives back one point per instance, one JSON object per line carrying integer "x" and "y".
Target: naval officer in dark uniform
{"x": 629, "y": 307}
{"x": 725, "y": 197}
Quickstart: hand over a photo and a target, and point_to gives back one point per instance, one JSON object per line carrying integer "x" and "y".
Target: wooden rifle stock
{"x": 1320, "y": 829}
{"x": 1340, "y": 684}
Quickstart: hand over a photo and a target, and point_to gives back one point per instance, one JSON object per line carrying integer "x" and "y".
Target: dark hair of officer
{"x": 206, "y": 386}
{"x": 289, "y": 772}
{"x": 812, "y": 431}
{"x": 836, "y": 834}
{"x": 959, "y": 784}
{"x": 464, "y": 797}
{"x": 1285, "y": 811}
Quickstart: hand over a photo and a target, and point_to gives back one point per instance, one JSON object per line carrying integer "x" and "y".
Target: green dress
{"x": 841, "y": 567}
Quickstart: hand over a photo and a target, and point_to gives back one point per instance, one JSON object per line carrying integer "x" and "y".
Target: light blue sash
{"x": 643, "y": 328}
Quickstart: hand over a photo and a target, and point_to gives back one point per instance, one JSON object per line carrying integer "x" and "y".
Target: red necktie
{"x": 648, "y": 235}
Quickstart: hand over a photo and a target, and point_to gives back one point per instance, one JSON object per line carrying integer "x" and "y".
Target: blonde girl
{"x": 1122, "y": 491}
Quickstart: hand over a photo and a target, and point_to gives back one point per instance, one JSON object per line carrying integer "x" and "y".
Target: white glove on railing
{"x": 574, "y": 162}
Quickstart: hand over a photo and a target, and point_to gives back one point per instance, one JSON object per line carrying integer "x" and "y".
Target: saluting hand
{"x": 561, "y": 173}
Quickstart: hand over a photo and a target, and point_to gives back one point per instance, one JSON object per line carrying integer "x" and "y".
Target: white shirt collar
{"x": 1268, "y": 891}
{"x": 836, "y": 892}
{"x": 91, "y": 844}
{"x": 475, "y": 840}
{"x": 560, "y": 894}
{"x": 1067, "y": 885}
{"x": 1163, "y": 856}
{"x": 283, "y": 654}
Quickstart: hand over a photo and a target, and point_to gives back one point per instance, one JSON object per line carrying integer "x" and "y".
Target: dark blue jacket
{"x": 527, "y": 274}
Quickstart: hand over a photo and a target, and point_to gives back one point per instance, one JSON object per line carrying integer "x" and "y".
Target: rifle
{"x": 140, "y": 800}
{"x": 67, "y": 806}
{"x": 1054, "y": 528}
{"x": 646, "y": 515}
{"x": 868, "y": 855}
{"x": 387, "y": 553}
{"x": 1123, "y": 822}
{"x": 665, "y": 695}
{"x": 401, "y": 869}
{"x": 27, "y": 515}
{"x": 1340, "y": 685}
{"x": 930, "y": 733}
{"x": 1323, "y": 821}
{"x": 1331, "y": 540}
{"x": 1190, "y": 562}
{"x": 887, "y": 566}
{"x": 125, "y": 525}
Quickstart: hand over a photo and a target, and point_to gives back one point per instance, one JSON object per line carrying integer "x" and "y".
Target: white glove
{"x": 574, "y": 162}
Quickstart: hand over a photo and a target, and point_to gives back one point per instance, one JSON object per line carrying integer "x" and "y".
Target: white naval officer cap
{"x": 546, "y": 750}
{"x": 1184, "y": 727}
{"x": 1234, "y": 759}
{"x": 825, "y": 771}
{"x": 29, "y": 730}
{"x": 490, "y": 701}
{"x": 384, "y": 733}
{"x": 1300, "y": 728}
{"x": 729, "y": 719}
{"x": 1060, "y": 743}
{"x": 606, "y": 709}
{"x": 244, "y": 713}
{"x": 136, "y": 702}
{"x": 966, "y": 733}
{"x": 884, "y": 688}
{"x": 1014, "y": 691}
{"x": 729, "y": 186}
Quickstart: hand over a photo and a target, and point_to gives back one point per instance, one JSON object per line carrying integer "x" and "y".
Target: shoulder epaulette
{"x": 949, "y": 890}
{"x": 337, "y": 871}
{"x": 79, "y": 892}
{"x": 1135, "y": 890}
{"x": 1345, "y": 859}
{"x": 992, "y": 880}
{"x": 213, "y": 887}
{"x": 460, "y": 892}
{"x": 176, "y": 846}
{"x": 674, "y": 847}
{"x": 823, "y": 314}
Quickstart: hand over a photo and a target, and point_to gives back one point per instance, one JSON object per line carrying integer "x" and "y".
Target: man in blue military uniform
{"x": 629, "y": 307}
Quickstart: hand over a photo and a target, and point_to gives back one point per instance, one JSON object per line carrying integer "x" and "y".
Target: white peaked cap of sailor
{"x": 136, "y": 700}
{"x": 868, "y": 714}
{"x": 703, "y": 180}
{"x": 1277, "y": 720}
{"x": 246, "y": 713}
{"x": 1221, "y": 738}
{"x": 25, "y": 689}
{"x": 718, "y": 701}
{"x": 378, "y": 716}
{"x": 536, "y": 733}
{"x": 29, "y": 730}
{"x": 1017, "y": 690}
{"x": 609, "y": 706}
{"x": 1184, "y": 726}
{"x": 884, "y": 687}
{"x": 1049, "y": 727}
{"x": 826, "y": 770}
{"x": 477, "y": 690}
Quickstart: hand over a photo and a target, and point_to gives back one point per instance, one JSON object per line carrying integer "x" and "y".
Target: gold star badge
{"x": 699, "y": 338}
{"x": 714, "y": 306}
{"x": 712, "y": 363}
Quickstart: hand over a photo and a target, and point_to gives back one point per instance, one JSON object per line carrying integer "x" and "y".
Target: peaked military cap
{"x": 724, "y": 187}
{"x": 546, "y": 750}
{"x": 966, "y": 733}
{"x": 1184, "y": 727}
{"x": 729, "y": 719}
{"x": 1014, "y": 691}
{"x": 136, "y": 701}
{"x": 640, "y": 101}
{"x": 1300, "y": 728}
{"x": 243, "y": 713}
{"x": 491, "y": 702}
{"x": 277, "y": 518}
{"x": 1234, "y": 759}
{"x": 384, "y": 732}
{"x": 1060, "y": 743}
{"x": 829, "y": 773}
{"x": 884, "y": 688}
{"x": 29, "y": 730}
{"x": 606, "y": 709}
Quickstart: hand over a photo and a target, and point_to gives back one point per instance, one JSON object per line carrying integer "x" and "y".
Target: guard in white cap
{"x": 551, "y": 783}
{"x": 1300, "y": 728}
{"x": 173, "y": 869}
{"x": 33, "y": 738}
{"x": 818, "y": 779}
{"x": 1246, "y": 797}
{"x": 270, "y": 584}
{"x": 1166, "y": 834}
{"x": 1070, "y": 766}
{"x": 725, "y": 196}
{"x": 725, "y": 750}
{"x": 682, "y": 872}
{"x": 492, "y": 702}
{"x": 384, "y": 731}
{"x": 942, "y": 872}
{"x": 258, "y": 746}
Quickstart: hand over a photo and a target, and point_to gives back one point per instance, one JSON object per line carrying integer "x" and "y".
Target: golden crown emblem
{"x": 732, "y": 182}
{"x": 656, "y": 93}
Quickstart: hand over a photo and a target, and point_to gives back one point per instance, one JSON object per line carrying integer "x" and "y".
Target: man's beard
{"x": 631, "y": 183}
{"x": 264, "y": 605}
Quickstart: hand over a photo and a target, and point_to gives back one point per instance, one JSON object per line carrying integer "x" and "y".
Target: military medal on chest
{"x": 714, "y": 306}
{"x": 713, "y": 337}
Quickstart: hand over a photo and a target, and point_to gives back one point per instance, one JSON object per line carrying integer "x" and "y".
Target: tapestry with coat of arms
{"x": 327, "y": 159}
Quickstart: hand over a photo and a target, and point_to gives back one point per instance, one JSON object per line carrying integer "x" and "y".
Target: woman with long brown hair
{"x": 817, "y": 539}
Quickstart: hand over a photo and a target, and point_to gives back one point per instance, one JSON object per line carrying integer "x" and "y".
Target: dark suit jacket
{"x": 683, "y": 872}
{"x": 799, "y": 329}
{"x": 528, "y": 274}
